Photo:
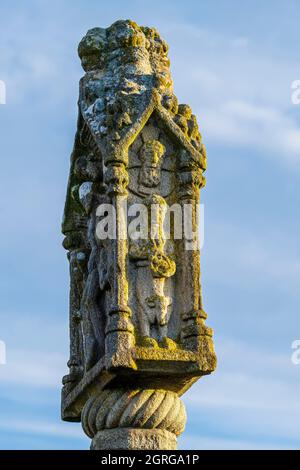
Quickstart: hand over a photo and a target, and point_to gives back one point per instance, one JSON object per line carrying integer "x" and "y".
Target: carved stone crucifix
{"x": 138, "y": 338}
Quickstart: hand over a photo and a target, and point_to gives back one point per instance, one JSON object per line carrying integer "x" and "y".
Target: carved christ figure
{"x": 153, "y": 265}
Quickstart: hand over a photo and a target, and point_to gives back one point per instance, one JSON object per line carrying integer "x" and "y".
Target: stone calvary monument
{"x": 138, "y": 338}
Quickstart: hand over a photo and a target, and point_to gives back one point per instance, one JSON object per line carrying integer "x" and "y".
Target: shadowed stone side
{"x": 135, "y": 419}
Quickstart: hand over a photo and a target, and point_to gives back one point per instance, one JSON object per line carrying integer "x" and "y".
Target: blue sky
{"x": 234, "y": 63}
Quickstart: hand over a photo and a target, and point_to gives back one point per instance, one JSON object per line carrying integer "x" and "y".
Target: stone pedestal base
{"x": 134, "y": 439}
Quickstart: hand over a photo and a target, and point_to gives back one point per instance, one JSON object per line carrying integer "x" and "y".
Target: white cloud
{"x": 63, "y": 430}
{"x": 241, "y": 94}
{"x": 264, "y": 257}
{"x": 33, "y": 368}
{"x": 267, "y": 129}
{"x": 36, "y": 349}
{"x": 239, "y": 391}
{"x": 251, "y": 378}
{"x": 253, "y": 396}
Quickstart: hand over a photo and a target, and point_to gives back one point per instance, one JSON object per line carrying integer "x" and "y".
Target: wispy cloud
{"x": 36, "y": 349}
{"x": 238, "y": 256}
{"x": 245, "y": 124}
{"x": 241, "y": 94}
{"x": 42, "y": 427}
{"x": 33, "y": 368}
{"x": 254, "y": 393}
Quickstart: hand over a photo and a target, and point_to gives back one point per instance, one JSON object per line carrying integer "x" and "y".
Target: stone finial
{"x": 138, "y": 338}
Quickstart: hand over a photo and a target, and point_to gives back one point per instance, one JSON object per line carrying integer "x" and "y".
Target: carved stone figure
{"x": 138, "y": 338}
{"x": 151, "y": 158}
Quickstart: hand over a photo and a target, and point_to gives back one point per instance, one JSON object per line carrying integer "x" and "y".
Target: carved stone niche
{"x": 138, "y": 338}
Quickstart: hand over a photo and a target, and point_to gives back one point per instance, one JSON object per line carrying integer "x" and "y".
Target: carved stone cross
{"x": 138, "y": 338}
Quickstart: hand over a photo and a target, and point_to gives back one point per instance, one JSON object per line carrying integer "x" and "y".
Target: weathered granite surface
{"x": 138, "y": 338}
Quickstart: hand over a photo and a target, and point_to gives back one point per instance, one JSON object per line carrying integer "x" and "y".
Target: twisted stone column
{"x": 134, "y": 419}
